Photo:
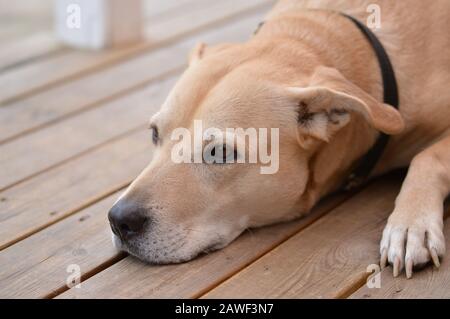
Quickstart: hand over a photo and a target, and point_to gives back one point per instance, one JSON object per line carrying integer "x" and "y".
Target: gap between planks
{"x": 89, "y": 274}
{"x": 98, "y": 103}
{"x": 18, "y": 55}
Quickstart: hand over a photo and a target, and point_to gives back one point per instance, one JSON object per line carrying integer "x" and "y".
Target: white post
{"x": 98, "y": 24}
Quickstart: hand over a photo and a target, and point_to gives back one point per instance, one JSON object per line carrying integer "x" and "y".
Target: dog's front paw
{"x": 411, "y": 242}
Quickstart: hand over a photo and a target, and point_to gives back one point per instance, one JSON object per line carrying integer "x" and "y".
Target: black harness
{"x": 367, "y": 163}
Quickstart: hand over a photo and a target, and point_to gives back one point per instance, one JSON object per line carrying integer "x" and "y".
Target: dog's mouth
{"x": 146, "y": 251}
{"x": 213, "y": 247}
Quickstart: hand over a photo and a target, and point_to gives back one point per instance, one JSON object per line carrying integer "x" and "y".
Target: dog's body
{"x": 312, "y": 74}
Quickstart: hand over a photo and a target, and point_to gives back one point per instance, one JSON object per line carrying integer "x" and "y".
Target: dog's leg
{"x": 414, "y": 232}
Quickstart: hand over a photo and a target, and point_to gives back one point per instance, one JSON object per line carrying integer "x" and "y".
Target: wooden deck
{"x": 72, "y": 136}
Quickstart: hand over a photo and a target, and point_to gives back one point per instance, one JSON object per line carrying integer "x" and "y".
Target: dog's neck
{"x": 335, "y": 42}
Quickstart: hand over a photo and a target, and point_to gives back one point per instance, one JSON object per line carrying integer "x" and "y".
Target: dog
{"x": 311, "y": 73}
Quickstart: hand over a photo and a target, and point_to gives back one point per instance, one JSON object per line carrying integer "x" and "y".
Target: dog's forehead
{"x": 188, "y": 94}
{"x": 244, "y": 99}
{"x": 223, "y": 95}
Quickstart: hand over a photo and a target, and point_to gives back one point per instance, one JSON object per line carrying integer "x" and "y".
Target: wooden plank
{"x": 25, "y": 157}
{"x": 428, "y": 283}
{"x": 326, "y": 260}
{"x": 40, "y": 110}
{"x": 131, "y": 278}
{"x": 48, "y": 72}
{"x": 32, "y": 113}
{"x": 36, "y": 46}
{"x": 22, "y": 18}
{"x": 64, "y": 190}
{"x": 37, "y": 266}
{"x": 63, "y": 68}
{"x": 34, "y": 153}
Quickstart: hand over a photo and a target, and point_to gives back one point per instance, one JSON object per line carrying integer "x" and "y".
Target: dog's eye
{"x": 221, "y": 154}
{"x": 155, "y": 134}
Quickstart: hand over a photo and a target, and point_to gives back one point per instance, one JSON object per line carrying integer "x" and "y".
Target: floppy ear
{"x": 325, "y": 106}
{"x": 201, "y": 49}
{"x": 197, "y": 53}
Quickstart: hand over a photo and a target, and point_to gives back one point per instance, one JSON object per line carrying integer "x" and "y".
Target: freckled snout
{"x": 127, "y": 220}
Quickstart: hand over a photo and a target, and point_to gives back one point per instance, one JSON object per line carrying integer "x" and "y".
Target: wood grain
{"x": 37, "y": 152}
{"x": 428, "y": 283}
{"x": 37, "y": 266}
{"x": 130, "y": 278}
{"x": 50, "y": 197}
{"x": 325, "y": 260}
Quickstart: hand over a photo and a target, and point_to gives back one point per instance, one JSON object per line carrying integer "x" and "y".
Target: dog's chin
{"x": 154, "y": 256}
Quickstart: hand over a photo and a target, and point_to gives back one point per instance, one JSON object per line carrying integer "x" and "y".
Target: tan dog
{"x": 313, "y": 75}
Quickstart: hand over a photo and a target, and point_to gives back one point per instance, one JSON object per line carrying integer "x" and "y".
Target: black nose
{"x": 126, "y": 220}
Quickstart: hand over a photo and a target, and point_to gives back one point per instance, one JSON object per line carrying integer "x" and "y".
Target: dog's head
{"x": 202, "y": 189}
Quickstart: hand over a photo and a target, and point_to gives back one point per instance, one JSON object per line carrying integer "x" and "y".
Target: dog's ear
{"x": 197, "y": 53}
{"x": 325, "y": 105}
{"x": 201, "y": 49}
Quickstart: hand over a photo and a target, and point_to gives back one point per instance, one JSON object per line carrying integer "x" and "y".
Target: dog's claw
{"x": 383, "y": 259}
{"x": 396, "y": 266}
{"x": 435, "y": 257}
{"x": 409, "y": 268}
